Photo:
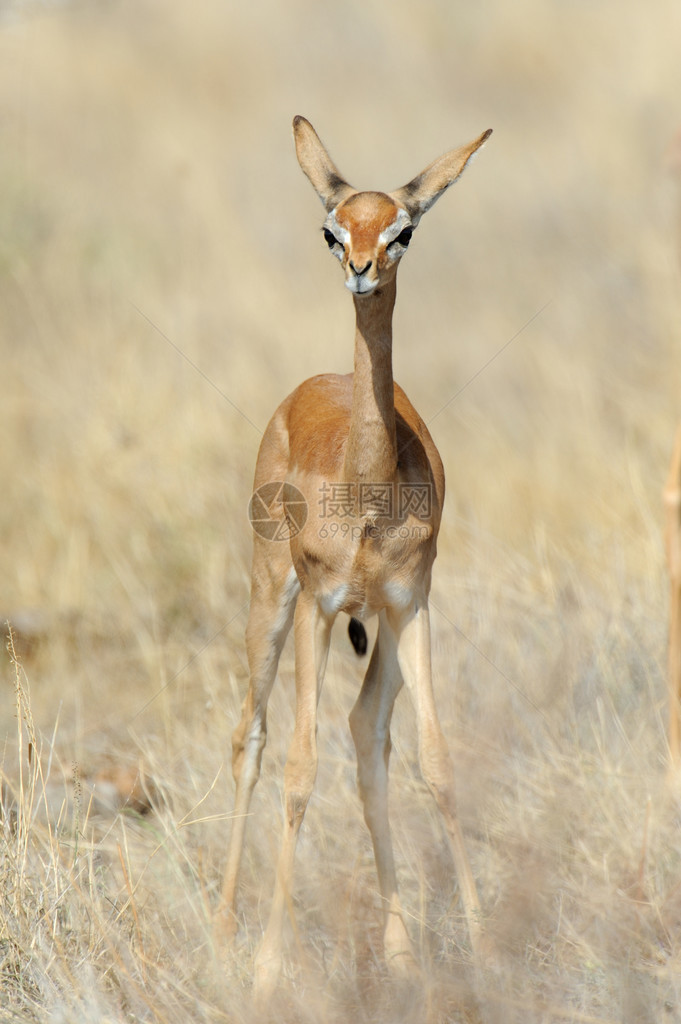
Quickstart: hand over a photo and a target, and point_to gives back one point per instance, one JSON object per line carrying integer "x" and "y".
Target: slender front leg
{"x": 312, "y": 632}
{"x": 370, "y": 727}
{"x": 413, "y": 655}
{"x": 272, "y": 606}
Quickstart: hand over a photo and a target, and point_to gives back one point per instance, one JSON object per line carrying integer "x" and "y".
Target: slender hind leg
{"x": 370, "y": 727}
{"x": 269, "y": 622}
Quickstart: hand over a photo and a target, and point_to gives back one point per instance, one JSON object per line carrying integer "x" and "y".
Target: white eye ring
{"x": 330, "y": 238}
{"x": 403, "y": 239}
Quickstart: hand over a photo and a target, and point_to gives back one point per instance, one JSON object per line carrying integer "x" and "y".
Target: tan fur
{"x": 357, "y": 437}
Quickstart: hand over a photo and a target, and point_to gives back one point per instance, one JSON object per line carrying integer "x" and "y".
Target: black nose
{"x": 360, "y": 270}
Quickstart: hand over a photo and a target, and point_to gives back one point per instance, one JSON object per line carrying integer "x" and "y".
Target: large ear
{"x": 329, "y": 185}
{"x": 420, "y": 194}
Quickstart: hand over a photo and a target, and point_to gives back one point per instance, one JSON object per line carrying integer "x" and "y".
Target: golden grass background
{"x": 163, "y": 285}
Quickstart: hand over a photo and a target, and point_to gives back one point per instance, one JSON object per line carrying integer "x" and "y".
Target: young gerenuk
{"x": 358, "y": 438}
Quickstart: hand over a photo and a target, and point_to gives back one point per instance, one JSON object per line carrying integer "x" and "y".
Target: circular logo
{"x": 277, "y": 511}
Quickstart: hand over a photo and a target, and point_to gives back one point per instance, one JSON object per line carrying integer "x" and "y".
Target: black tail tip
{"x": 358, "y": 636}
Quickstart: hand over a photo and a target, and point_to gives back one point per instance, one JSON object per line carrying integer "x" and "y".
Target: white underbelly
{"x": 367, "y": 602}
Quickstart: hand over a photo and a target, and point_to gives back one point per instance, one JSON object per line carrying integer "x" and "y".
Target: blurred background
{"x": 163, "y": 285}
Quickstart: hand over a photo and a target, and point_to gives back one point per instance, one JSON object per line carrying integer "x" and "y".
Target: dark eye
{"x": 330, "y": 239}
{"x": 404, "y": 238}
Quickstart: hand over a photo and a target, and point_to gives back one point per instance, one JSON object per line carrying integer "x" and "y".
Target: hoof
{"x": 266, "y": 973}
{"x": 398, "y": 952}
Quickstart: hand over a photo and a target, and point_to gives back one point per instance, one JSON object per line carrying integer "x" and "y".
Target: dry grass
{"x": 162, "y": 286}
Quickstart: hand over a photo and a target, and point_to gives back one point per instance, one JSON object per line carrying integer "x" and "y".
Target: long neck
{"x": 371, "y": 453}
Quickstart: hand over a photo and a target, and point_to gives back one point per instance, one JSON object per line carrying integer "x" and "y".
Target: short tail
{"x": 358, "y": 636}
